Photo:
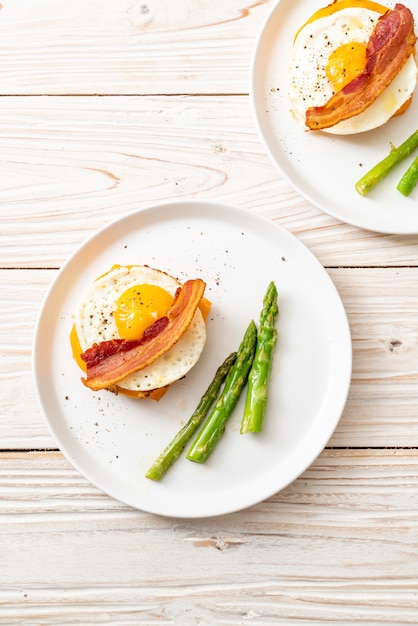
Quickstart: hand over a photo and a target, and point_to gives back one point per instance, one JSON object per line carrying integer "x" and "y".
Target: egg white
{"x": 309, "y": 85}
{"x": 94, "y": 322}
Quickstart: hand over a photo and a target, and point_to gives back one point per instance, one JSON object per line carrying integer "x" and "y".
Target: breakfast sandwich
{"x": 353, "y": 66}
{"x": 138, "y": 330}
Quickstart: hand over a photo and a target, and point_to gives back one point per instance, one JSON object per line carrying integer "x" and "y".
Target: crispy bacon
{"x": 100, "y": 351}
{"x": 110, "y": 362}
{"x": 390, "y": 45}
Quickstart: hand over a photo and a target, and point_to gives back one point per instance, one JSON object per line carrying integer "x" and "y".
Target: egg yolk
{"x": 138, "y": 307}
{"x": 345, "y": 63}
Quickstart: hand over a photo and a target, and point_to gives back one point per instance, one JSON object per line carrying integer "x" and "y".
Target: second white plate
{"x": 321, "y": 167}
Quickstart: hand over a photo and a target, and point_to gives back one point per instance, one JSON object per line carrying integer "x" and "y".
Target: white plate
{"x": 112, "y": 440}
{"x": 321, "y": 167}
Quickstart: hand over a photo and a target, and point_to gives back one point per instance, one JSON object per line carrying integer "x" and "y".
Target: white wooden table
{"x": 111, "y": 105}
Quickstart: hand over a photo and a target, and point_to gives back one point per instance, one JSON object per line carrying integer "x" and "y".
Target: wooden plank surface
{"x": 127, "y": 47}
{"x": 106, "y": 107}
{"x": 339, "y": 545}
{"x": 71, "y": 165}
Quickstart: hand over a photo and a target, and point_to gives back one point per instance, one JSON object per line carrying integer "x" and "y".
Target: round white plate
{"x": 112, "y": 440}
{"x": 324, "y": 168}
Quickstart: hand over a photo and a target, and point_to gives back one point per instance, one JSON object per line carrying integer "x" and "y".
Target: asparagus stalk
{"x": 409, "y": 179}
{"x": 258, "y": 378}
{"x": 214, "y": 426}
{"x": 381, "y": 169}
{"x": 178, "y": 443}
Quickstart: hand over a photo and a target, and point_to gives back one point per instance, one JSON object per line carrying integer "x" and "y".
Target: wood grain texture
{"x": 382, "y": 309}
{"x": 127, "y": 46}
{"x": 338, "y": 545}
{"x": 106, "y": 107}
{"x": 71, "y": 165}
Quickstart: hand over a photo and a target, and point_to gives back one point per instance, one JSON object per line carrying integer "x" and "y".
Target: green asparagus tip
{"x": 258, "y": 378}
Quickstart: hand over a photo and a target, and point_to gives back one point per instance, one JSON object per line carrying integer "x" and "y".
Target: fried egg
{"x": 121, "y": 304}
{"x": 330, "y": 51}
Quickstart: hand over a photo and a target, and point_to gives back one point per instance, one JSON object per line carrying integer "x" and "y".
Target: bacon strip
{"x": 390, "y": 45}
{"x": 103, "y": 350}
{"x": 110, "y": 362}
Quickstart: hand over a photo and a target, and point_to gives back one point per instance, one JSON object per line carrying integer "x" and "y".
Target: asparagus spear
{"x": 215, "y": 423}
{"x": 381, "y": 169}
{"x": 409, "y": 179}
{"x": 258, "y": 379}
{"x": 176, "y": 446}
